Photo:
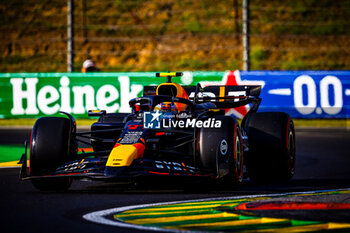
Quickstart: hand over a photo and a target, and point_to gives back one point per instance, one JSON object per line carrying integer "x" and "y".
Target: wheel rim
{"x": 291, "y": 149}
{"x": 238, "y": 156}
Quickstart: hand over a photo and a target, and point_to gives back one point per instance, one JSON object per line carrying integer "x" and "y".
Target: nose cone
{"x": 121, "y": 157}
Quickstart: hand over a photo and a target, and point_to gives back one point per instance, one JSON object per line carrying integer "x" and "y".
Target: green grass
{"x": 9, "y": 153}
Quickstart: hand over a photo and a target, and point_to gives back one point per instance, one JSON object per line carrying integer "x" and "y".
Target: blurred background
{"x": 151, "y": 35}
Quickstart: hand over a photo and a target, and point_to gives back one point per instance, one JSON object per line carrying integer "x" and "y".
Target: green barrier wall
{"x": 30, "y": 95}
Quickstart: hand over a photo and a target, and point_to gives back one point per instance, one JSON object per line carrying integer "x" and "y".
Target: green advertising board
{"x": 30, "y": 95}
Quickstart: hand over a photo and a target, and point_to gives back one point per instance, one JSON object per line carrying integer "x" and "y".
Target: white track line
{"x": 100, "y": 216}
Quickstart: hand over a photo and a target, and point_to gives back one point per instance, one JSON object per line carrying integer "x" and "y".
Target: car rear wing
{"x": 233, "y": 90}
{"x": 228, "y": 96}
{"x": 221, "y": 96}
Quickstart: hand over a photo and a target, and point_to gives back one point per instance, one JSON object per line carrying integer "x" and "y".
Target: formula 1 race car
{"x": 172, "y": 131}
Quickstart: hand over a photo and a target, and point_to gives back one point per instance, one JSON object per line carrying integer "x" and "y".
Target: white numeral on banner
{"x": 298, "y": 94}
{"x": 325, "y": 84}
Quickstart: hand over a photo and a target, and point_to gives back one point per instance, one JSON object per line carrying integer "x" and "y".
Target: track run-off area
{"x": 289, "y": 212}
{"x": 317, "y": 199}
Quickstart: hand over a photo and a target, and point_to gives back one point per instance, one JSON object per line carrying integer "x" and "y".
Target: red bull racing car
{"x": 172, "y": 130}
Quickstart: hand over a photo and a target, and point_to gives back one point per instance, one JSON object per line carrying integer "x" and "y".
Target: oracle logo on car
{"x": 29, "y": 100}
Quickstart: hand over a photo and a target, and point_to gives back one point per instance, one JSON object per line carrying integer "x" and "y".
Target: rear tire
{"x": 50, "y": 147}
{"x": 272, "y": 151}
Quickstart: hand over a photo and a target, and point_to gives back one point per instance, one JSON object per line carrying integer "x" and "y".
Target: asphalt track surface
{"x": 323, "y": 159}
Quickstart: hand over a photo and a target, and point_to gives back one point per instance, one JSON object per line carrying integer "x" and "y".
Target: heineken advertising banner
{"x": 303, "y": 94}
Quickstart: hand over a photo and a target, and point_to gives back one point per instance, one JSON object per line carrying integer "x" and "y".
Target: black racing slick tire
{"x": 221, "y": 149}
{"x": 272, "y": 150}
{"x": 50, "y": 148}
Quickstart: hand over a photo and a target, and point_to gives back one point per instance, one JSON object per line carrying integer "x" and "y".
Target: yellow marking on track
{"x": 201, "y": 203}
{"x": 182, "y": 218}
{"x": 192, "y": 205}
{"x": 322, "y": 193}
{"x": 123, "y": 214}
{"x": 12, "y": 164}
{"x": 172, "y": 208}
{"x": 334, "y": 225}
{"x": 234, "y": 223}
{"x": 228, "y": 201}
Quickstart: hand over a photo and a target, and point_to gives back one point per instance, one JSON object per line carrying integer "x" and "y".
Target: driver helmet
{"x": 166, "y": 107}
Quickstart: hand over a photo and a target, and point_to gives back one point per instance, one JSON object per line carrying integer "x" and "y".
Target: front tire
{"x": 50, "y": 147}
{"x": 213, "y": 156}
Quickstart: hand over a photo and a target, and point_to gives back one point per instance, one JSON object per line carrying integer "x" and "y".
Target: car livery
{"x": 172, "y": 130}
